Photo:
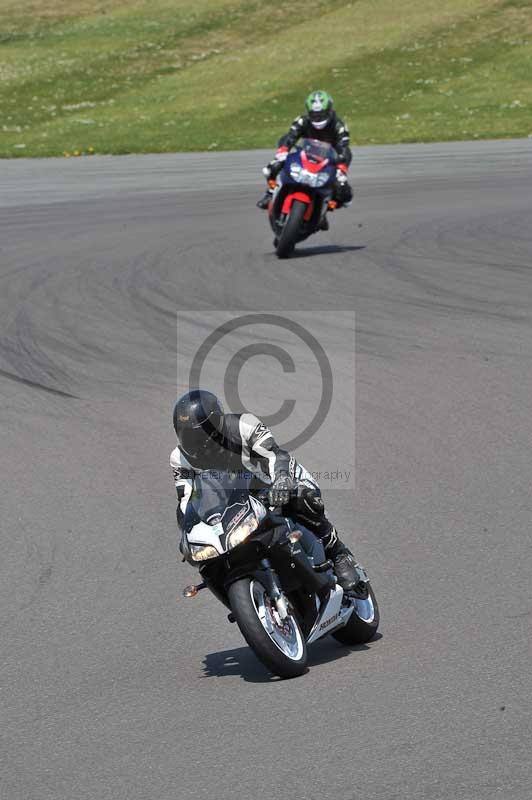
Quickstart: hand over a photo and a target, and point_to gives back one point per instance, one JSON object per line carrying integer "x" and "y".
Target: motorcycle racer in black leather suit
{"x": 320, "y": 122}
{"x": 210, "y": 439}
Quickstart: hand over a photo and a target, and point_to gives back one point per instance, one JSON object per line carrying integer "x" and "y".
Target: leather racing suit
{"x": 245, "y": 443}
{"x": 334, "y": 133}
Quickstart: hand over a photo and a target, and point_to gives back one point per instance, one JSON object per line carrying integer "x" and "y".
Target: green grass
{"x": 134, "y": 76}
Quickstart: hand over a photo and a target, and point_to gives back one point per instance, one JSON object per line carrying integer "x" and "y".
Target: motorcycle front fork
{"x": 274, "y": 590}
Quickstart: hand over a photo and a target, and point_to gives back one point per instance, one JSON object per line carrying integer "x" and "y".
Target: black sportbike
{"x": 271, "y": 573}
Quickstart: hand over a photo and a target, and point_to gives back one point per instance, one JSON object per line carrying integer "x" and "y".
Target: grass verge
{"x": 165, "y": 75}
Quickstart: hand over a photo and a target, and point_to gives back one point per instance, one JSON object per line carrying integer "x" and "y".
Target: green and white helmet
{"x": 319, "y": 106}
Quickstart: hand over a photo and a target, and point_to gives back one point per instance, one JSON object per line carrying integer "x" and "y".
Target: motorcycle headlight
{"x": 322, "y": 179}
{"x": 316, "y": 179}
{"x": 203, "y": 552}
{"x": 310, "y": 178}
{"x": 242, "y": 531}
{"x": 295, "y": 172}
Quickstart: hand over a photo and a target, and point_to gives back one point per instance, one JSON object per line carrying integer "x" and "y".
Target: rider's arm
{"x": 289, "y": 139}
{"x": 184, "y": 482}
{"x": 342, "y": 143}
{"x": 258, "y": 444}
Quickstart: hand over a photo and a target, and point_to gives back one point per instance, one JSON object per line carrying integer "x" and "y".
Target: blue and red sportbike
{"x": 302, "y": 195}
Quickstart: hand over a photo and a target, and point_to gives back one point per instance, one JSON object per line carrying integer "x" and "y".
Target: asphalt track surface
{"x": 109, "y": 688}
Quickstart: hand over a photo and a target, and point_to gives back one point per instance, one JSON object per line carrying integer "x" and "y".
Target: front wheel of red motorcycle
{"x": 289, "y": 235}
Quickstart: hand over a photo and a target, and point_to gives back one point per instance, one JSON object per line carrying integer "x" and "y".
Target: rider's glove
{"x": 341, "y": 176}
{"x": 273, "y": 168}
{"x": 281, "y": 489}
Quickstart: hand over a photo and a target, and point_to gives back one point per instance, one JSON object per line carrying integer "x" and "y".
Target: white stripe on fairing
{"x": 258, "y": 508}
{"x": 206, "y": 534}
{"x": 332, "y": 609}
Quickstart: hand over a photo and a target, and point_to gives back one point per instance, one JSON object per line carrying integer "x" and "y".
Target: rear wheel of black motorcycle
{"x": 288, "y": 238}
{"x": 363, "y": 622}
{"x": 279, "y": 645}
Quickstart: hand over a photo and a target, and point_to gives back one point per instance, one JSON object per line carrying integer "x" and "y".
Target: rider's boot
{"x": 264, "y": 201}
{"x": 346, "y": 568}
{"x": 310, "y": 511}
{"x": 324, "y": 224}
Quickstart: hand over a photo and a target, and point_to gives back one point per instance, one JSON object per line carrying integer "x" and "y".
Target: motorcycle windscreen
{"x": 215, "y": 489}
{"x": 317, "y": 151}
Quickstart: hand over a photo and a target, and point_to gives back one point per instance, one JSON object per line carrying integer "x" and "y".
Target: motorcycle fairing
{"x": 216, "y": 535}
{"x": 203, "y": 535}
{"x": 313, "y": 166}
{"x": 333, "y": 615}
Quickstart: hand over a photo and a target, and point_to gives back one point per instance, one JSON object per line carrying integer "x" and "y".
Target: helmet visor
{"x": 193, "y": 440}
{"x": 198, "y": 440}
{"x": 320, "y": 116}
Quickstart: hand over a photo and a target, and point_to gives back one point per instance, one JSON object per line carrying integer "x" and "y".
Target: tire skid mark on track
{"x": 35, "y": 385}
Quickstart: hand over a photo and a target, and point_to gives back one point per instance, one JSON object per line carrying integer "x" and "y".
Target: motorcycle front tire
{"x": 289, "y": 235}
{"x": 247, "y": 612}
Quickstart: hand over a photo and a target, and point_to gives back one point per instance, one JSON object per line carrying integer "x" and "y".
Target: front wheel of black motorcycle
{"x": 277, "y": 642}
{"x": 363, "y": 622}
{"x": 288, "y": 238}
